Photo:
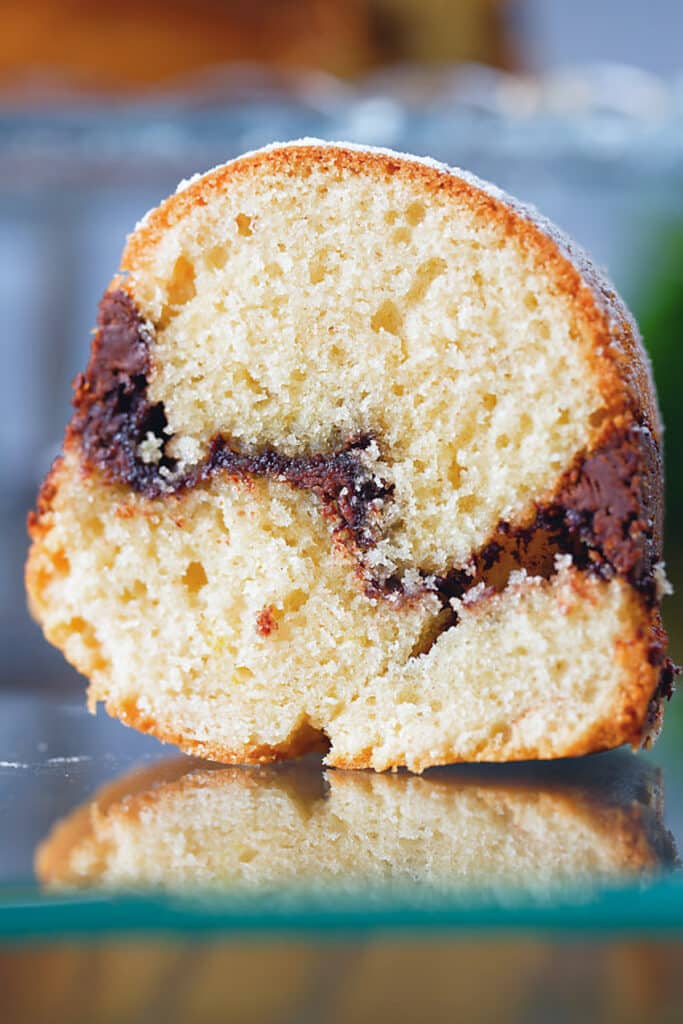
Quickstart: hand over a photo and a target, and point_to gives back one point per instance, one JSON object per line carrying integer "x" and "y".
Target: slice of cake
{"x": 183, "y": 824}
{"x": 366, "y": 457}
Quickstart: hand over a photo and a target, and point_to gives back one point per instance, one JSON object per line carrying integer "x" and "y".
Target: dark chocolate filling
{"x": 600, "y": 505}
{"x": 347, "y": 490}
{"x": 113, "y": 417}
{"x": 596, "y": 514}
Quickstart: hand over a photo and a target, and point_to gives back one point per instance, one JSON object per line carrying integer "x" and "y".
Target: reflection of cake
{"x": 183, "y": 823}
{"x": 364, "y": 455}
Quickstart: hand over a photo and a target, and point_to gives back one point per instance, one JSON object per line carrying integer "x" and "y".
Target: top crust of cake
{"x": 618, "y": 344}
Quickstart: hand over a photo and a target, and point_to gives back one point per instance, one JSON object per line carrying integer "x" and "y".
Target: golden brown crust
{"x": 304, "y": 739}
{"x": 37, "y": 570}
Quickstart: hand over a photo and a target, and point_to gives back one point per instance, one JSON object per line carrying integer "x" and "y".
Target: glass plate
{"x": 107, "y": 831}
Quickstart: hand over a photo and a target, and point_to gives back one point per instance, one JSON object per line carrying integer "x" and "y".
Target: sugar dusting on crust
{"x": 602, "y": 288}
{"x": 567, "y": 246}
{"x": 663, "y": 587}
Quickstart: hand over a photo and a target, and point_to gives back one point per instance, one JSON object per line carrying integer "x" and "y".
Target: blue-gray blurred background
{"x": 103, "y": 107}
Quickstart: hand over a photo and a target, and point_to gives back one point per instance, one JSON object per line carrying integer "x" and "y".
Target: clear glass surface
{"x": 106, "y": 830}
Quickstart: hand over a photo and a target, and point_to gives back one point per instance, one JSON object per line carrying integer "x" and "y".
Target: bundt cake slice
{"x": 366, "y": 457}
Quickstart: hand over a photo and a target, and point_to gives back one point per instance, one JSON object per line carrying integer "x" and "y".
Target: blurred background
{"x": 576, "y": 107}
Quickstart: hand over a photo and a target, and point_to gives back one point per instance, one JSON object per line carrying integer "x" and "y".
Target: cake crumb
{"x": 150, "y": 450}
{"x": 266, "y": 623}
